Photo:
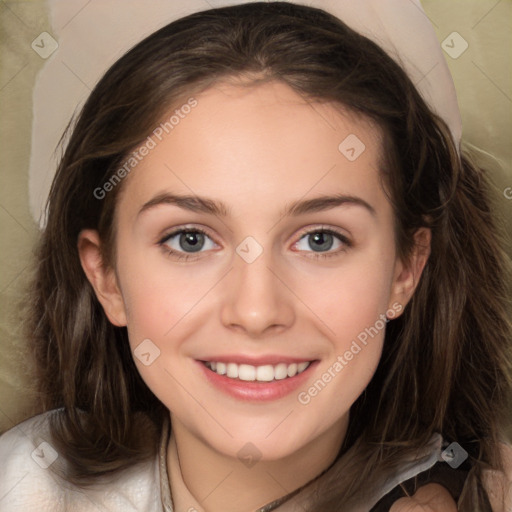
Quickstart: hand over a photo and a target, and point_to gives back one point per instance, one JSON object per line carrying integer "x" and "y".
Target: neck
{"x": 221, "y": 483}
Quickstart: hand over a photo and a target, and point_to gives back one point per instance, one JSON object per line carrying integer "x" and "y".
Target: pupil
{"x": 193, "y": 239}
{"x": 324, "y": 241}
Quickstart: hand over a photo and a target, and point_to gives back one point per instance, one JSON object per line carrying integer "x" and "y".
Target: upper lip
{"x": 256, "y": 361}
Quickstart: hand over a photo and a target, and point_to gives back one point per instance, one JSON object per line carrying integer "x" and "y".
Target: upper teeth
{"x": 264, "y": 373}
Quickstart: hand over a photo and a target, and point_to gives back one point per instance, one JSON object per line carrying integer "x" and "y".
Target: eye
{"x": 320, "y": 241}
{"x": 182, "y": 243}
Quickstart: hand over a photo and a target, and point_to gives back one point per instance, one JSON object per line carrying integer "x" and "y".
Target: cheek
{"x": 158, "y": 294}
{"x": 352, "y": 297}
{"x": 357, "y": 322}
{"x": 352, "y": 303}
{"x": 159, "y": 311}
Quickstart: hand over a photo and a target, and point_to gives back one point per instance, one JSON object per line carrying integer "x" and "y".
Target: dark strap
{"x": 440, "y": 473}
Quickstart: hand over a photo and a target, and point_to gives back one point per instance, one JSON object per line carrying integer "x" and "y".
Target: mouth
{"x": 265, "y": 380}
{"x": 252, "y": 373}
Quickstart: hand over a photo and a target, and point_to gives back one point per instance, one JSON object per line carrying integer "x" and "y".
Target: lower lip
{"x": 257, "y": 391}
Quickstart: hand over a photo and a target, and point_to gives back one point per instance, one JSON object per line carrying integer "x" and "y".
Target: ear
{"x": 102, "y": 278}
{"x": 407, "y": 274}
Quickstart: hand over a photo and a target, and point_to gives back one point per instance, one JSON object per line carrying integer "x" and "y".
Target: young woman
{"x": 268, "y": 281}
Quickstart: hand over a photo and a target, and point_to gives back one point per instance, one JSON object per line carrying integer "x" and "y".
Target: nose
{"x": 257, "y": 299}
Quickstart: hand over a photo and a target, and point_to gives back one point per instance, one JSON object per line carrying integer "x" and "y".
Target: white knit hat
{"x": 400, "y": 27}
{"x": 403, "y": 30}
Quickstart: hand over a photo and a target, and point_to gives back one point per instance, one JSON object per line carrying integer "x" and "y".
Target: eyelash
{"x": 183, "y": 256}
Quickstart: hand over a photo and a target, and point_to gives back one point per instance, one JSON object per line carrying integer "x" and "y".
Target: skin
{"x": 429, "y": 498}
{"x": 256, "y": 149}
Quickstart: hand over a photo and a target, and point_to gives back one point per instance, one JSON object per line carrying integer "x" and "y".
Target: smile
{"x": 250, "y": 373}
{"x": 258, "y": 378}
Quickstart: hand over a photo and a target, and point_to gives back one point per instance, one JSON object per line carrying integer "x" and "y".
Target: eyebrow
{"x": 218, "y": 208}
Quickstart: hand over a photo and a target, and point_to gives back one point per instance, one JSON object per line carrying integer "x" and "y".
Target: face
{"x": 288, "y": 280}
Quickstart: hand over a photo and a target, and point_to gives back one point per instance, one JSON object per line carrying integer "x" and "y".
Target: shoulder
{"x": 434, "y": 497}
{"x": 498, "y": 484}
{"x": 429, "y": 498}
{"x": 26, "y": 455}
{"x": 34, "y": 477}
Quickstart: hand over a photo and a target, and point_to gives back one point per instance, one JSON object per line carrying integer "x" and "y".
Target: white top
{"x": 28, "y": 484}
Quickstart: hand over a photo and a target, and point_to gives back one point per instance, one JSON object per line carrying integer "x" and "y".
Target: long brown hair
{"x": 446, "y": 362}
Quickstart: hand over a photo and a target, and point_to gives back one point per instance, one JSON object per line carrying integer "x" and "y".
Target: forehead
{"x": 266, "y": 141}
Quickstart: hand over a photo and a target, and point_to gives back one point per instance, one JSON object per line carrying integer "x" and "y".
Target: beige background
{"x": 482, "y": 76}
